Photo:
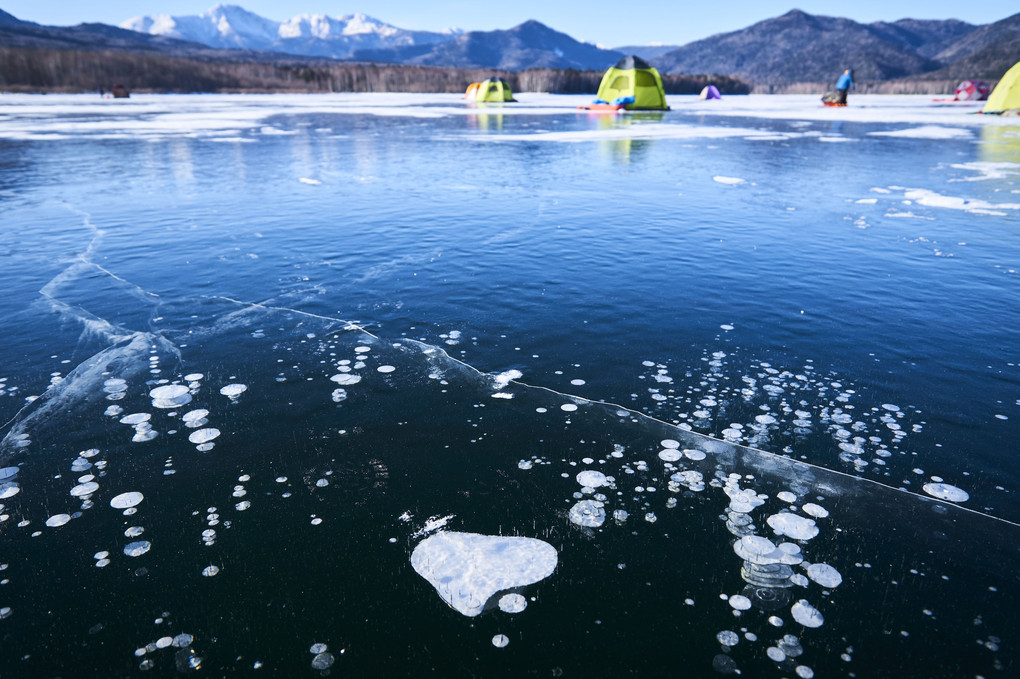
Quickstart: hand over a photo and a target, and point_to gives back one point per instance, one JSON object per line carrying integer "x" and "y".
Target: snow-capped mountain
{"x": 233, "y": 27}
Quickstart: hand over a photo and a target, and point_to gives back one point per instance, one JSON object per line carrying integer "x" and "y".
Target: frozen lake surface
{"x": 383, "y": 385}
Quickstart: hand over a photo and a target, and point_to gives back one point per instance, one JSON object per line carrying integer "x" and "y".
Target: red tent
{"x": 972, "y": 90}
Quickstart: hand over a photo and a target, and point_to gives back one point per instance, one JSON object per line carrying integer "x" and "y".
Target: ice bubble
{"x": 204, "y": 435}
{"x": 945, "y": 491}
{"x": 568, "y": 407}
{"x": 694, "y": 454}
{"x": 729, "y": 180}
{"x": 192, "y": 416}
{"x": 669, "y": 443}
{"x": 592, "y": 478}
{"x": 183, "y": 640}
{"x": 170, "y": 396}
{"x": 467, "y": 569}
{"x": 234, "y": 390}
{"x": 726, "y": 327}
{"x": 825, "y": 575}
{"x": 756, "y": 549}
{"x": 786, "y": 496}
{"x": 58, "y": 520}
{"x": 323, "y": 661}
{"x": 318, "y": 648}
{"x": 134, "y": 531}
{"x": 739, "y": 602}
{"x": 500, "y": 640}
{"x": 386, "y": 368}
{"x": 793, "y": 525}
{"x": 135, "y": 418}
{"x": 125, "y": 500}
{"x": 669, "y": 454}
{"x": 84, "y": 489}
{"x": 346, "y": 379}
{"x": 512, "y": 603}
{"x": 817, "y": 511}
{"x": 806, "y": 614}
{"x": 164, "y": 642}
{"x": 210, "y": 571}
{"x": 80, "y": 465}
{"x": 804, "y": 672}
{"x": 588, "y": 513}
{"x": 137, "y": 548}
{"x": 339, "y": 395}
{"x": 775, "y": 654}
{"x": 577, "y": 383}
{"x": 728, "y": 638}
{"x": 8, "y": 472}
{"x": 142, "y": 435}
{"x": 9, "y": 489}
{"x": 193, "y": 377}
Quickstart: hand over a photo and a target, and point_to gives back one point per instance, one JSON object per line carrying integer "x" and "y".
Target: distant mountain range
{"x": 800, "y": 47}
{"x": 772, "y": 55}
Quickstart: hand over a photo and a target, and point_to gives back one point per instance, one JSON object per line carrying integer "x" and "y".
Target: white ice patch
{"x": 945, "y": 491}
{"x": 587, "y": 513}
{"x": 592, "y": 479}
{"x": 927, "y": 132}
{"x": 85, "y": 489}
{"x": 825, "y": 575}
{"x": 170, "y": 396}
{"x": 933, "y": 199}
{"x": 806, "y": 614}
{"x": 504, "y": 378}
{"x": 669, "y": 454}
{"x": 386, "y": 368}
{"x": 58, "y": 520}
{"x": 512, "y": 603}
{"x": 817, "y": 511}
{"x": 467, "y": 569}
{"x": 125, "y": 500}
{"x": 232, "y": 391}
{"x": 733, "y": 181}
{"x": 137, "y": 548}
{"x": 204, "y": 435}
{"x": 345, "y": 379}
{"x": 793, "y": 525}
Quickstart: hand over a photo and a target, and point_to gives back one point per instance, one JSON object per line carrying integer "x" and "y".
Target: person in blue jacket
{"x": 845, "y": 82}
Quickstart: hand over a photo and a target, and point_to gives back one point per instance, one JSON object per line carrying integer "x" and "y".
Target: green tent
{"x": 493, "y": 90}
{"x": 1006, "y": 95}
{"x": 633, "y": 77}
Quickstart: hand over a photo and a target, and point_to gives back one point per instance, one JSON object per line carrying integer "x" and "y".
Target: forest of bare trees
{"x": 45, "y": 70}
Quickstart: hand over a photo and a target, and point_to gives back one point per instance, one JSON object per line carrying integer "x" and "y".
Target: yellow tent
{"x": 634, "y": 82}
{"x": 492, "y": 90}
{"x": 1006, "y": 95}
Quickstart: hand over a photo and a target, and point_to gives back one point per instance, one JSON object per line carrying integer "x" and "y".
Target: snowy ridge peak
{"x": 233, "y": 27}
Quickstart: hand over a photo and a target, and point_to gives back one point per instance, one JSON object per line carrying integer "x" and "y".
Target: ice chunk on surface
{"x": 467, "y": 569}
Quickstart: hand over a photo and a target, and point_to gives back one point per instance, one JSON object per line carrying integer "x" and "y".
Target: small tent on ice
{"x": 710, "y": 92}
{"x": 492, "y": 90}
{"x": 471, "y": 90}
{"x": 120, "y": 92}
{"x": 972, "y": 90}
{"x": 1005, "y": 98}
{"x": 636, "y": 80}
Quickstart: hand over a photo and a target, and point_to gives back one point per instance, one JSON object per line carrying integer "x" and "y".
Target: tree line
{"x": 52, "y": 70}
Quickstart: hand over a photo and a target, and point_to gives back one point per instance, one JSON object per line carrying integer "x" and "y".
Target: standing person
{"x": 845, "y": 82}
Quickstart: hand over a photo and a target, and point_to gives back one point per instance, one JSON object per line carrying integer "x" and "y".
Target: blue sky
{"x": 607, "y": 22}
